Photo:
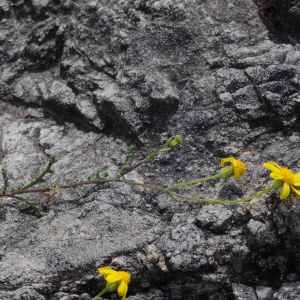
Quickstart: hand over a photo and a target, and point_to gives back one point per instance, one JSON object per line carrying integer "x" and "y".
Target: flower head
{"x": 116, "y": 280}
{"x": 288, "y": 180}
{"x": 233, "y": 167}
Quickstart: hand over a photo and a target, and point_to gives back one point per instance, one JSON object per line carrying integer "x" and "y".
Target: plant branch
{"x": 37, "y": 179}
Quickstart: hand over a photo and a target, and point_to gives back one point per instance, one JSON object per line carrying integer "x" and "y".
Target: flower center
{"x": 288, "y": 176}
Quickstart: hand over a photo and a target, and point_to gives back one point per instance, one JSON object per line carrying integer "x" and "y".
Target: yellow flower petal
{"x": 227, "y": 160}
{"x": 122, "y": 289}
{"x": 272, "y": 166}
{"x": 113, "y": 278}
{"x": 276, "y": 176}
{"x": 105, "y": 271}
{"x": 115, "y": 281}
{"x": 239, "y": 168}
{"x": 297, "y": 192}
{"x": 297, "y": 179}
{"x": 118, "y": 276}
{"x": 285, "y": 191}
{"x": 126, "y": 276}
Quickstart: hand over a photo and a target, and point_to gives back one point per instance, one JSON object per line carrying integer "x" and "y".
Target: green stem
{"x": 243, "y": 200}
{"x": 257, "y": 195}
{"x": 98, "y": 296}
{"x": 192, "y": 183}
{"x": 154, "y": 188}
{"x": 109, "y": 288}
{"x": 37, "y": 179}
{"x": 183, "y": 198}
{"x": 63, "y": 186}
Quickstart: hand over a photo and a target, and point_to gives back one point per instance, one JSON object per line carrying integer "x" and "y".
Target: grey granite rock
{"x": 215, "y": 217}
{"x": 81, "y": 81}
{"x": 261, "y": 234}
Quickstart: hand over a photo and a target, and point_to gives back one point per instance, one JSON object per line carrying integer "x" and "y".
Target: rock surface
{"x": 81, "y": 81}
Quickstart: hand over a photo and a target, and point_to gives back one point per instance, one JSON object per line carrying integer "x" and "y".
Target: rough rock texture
{"x": 81, "y": 81}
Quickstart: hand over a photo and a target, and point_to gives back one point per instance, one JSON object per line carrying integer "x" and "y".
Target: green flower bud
{"x": 174, "y": 141}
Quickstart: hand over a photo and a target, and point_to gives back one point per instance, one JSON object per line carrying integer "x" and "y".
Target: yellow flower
{"x": 287, "y": 179}
{"x": 233, "y": 167}
{"x": 116, "y": 280}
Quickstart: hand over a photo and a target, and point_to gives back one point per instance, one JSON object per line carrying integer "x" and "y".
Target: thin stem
{"x": 243, "y": 200}
{"x": 191, "y": 200}
{"x": 63, "y": 186}
{"x": 37, "y": 179}
{"x": 127, "y": 170}
{"x": 128, "y": 161}
{"x": 192, "y": 183}
{"x": 153, "y": 187}
{"x": 259, "y": 194}
{"x": 98, "y": 296}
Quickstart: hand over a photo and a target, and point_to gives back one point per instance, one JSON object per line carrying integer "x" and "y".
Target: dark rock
{"x": 280, "y": 16}
{"x": 45, "y": 45}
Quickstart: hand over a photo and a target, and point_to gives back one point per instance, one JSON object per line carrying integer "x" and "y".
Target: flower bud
{"x": 174, "y": 141}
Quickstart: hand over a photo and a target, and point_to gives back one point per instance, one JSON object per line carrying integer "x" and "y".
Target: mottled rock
{"x": 215, "y": 217}
{"x": 81, "y": 81}
{"x": 28, "y": 90}
{"x": 264, "y": 293}
{"x": 61, "y": 93}
{"x": 288, "y": 291}
{"x": 45, "y": 44}
{"x": 85, "y": 296}
{"x": 243, "y": 292}
{"x": 4, "y": 7}
{"x": 27, "y": 293}
{"x": 163, "y": 95}
{"x": 40, "y": 3}
{"x": 261, "y": 233}
{"x": 118, "y": 110}
{"x": 153, "y": 295}
{"x": 70, "y": 297}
